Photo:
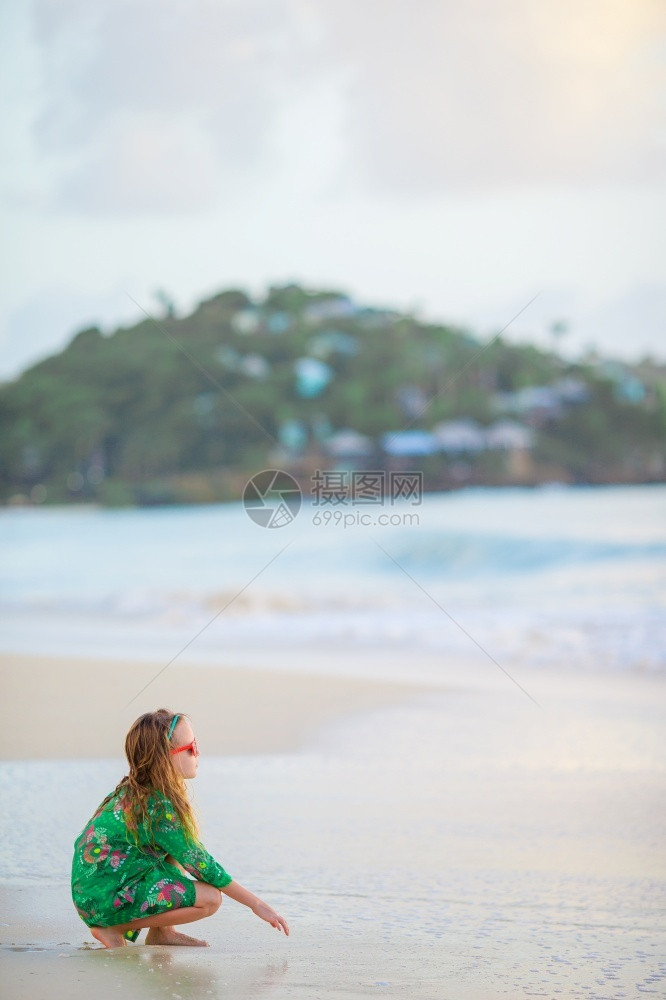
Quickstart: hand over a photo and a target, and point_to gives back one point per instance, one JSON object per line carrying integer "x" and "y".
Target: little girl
{"x": 131, "y": 858}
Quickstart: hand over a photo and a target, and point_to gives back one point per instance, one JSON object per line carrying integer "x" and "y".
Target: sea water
{"x": 571, "y": 578}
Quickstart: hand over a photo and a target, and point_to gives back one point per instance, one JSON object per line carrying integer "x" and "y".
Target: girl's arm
{"x": 234, "y": 890}
{"x": 168, "y": 833}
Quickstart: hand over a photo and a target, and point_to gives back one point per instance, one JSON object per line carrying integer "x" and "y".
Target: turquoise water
{"x": 556, "y": 576}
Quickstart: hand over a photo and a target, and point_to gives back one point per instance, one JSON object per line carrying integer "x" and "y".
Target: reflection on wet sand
{"x": 144, "y": 971}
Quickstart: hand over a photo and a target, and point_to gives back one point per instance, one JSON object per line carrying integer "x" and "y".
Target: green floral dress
{"x": 114, "y": 880}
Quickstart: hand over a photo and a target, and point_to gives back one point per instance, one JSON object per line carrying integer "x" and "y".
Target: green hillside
{"x": 186, "y": 409}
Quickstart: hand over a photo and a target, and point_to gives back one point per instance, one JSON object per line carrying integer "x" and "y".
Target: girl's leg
{"x": 168, "y": 934}
{"x": 208, "y": 901}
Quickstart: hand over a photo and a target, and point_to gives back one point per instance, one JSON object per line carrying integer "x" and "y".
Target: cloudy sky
{"x": 451, "y": 158}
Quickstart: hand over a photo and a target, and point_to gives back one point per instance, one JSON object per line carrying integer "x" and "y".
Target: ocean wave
{"x": 590, "y": 638}
{"x": 577, "y": 578}
{"x": 181, "y": 605}
{"x": 476, "y": 555}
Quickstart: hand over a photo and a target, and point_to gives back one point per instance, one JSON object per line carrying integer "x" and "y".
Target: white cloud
{"x": 438, "y": 97}
{"x": 177, "y": 91}
{"x": 449, "y": 96}
{"x": 455, "y": 157}
{"x": 152, "y": 163}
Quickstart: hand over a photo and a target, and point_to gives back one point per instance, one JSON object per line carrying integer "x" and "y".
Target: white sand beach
{"x": 63, "y": 707}
{"x": 444, "y": 842}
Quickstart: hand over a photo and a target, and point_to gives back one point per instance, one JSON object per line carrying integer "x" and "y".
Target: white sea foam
{"x": 572, "y": 577}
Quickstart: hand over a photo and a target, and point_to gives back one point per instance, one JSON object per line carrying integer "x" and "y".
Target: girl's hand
{"x": 268, "y": 914}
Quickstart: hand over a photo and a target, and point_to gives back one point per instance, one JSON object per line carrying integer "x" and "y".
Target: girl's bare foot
{"x": 169, "y": 935}
{"x": 109, "y": 937}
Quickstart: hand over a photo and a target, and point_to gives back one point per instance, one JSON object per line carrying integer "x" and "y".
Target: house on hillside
{"x": 539, "y": 404}
{"x": 246, "y": 321}
{"x": 411, "y": 399}
{"x": 509, "y": 435}
{"x": 333, "y": 342}
{"x": 376, "y": 319}
{"x": 459, "y": 437}
{"x": 333, "y": 307}
{"x": 516, "y": 441}
{"x": 293, "y": 436}
{"x": 411, "y": 443}
{"x": 627, "y": 387}
{"x": 572, "y": 390}
{"x": 254, "y": 365}
{"x": 349, "y": 444}
{"x": 278, "y": 322}
{"x": 312, "y": 376}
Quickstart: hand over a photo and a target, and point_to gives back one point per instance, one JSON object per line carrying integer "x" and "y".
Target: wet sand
{"x": 447, "y": 843}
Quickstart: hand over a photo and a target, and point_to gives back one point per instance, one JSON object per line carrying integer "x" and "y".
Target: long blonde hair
{"x": 151, "y": 770}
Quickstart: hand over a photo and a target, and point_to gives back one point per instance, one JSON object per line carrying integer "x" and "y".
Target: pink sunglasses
{"x": 188, "y": 746}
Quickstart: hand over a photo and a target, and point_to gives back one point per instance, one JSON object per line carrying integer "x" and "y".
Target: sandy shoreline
{"x": 57, "y": 707}
{"x": 246, "y": 960}
{"x": 453, "y": 843}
